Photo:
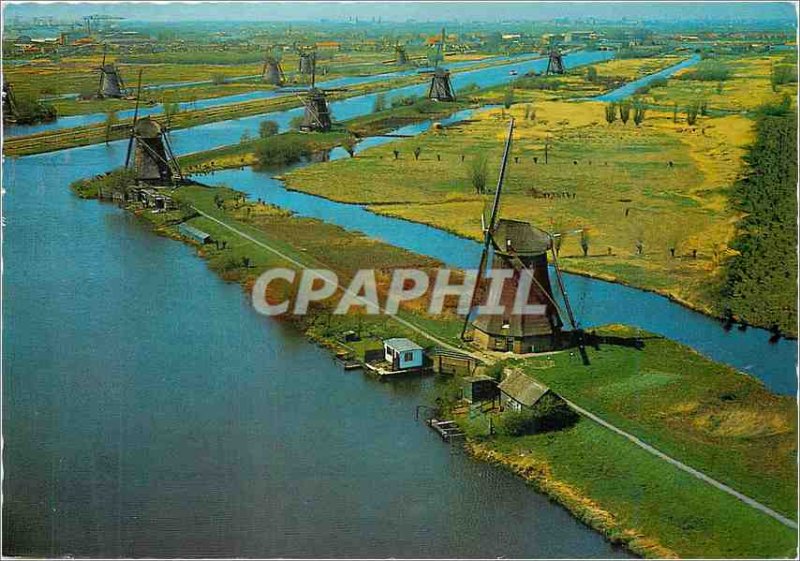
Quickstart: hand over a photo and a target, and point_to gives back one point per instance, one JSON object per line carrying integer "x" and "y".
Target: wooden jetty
{"x": 448, "y": 430}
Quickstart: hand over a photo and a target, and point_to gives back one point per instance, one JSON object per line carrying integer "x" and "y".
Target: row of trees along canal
{"x": 760, "y": 285}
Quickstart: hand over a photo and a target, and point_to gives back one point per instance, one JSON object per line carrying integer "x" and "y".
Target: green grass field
{"x": 708, "y": 415}
{"x": 637, "y": 499}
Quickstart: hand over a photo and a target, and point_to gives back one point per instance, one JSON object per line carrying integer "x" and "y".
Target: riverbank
{"x": 317, "y": 244}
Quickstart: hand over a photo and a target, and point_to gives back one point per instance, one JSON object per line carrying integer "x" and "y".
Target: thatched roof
{"x": 522, "y": 388}
{"x": 520, "y": 238}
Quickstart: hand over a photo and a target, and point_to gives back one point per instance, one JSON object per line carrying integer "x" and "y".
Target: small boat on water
{"x": 512, "y": 72}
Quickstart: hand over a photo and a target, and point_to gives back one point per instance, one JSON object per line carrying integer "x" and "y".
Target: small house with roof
{"x": 519, "y": 391}
{"x": 402, "y": 354}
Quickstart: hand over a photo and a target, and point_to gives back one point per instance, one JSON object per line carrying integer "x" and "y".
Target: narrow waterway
{"x": 73, "y": 121}
{"x": 149, "y": 412}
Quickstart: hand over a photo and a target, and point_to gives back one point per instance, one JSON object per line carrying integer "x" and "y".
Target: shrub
{"x": 349, "y": 145}
{"x": 782, "y": 74}
{"x": 508, "y": 98}
{"x": 638, "y": 114}
{"x": 478, "y": 173}
{"x": 591, "y": 74}
{"x": 282, "y": 150}
{"x": 691, "y": 113}
{"x": 31, "y": 110}
{"x": 550, "y": 413}
{"x": 267, "y": 129}
{"x": 708, "y": 71}
{"x": 218, "y": 79}
{"x": 611, "y": 113}
{"x": 404, "y": 101}
{"x": 380, "y": 103}
{"x": 624, "y": 112}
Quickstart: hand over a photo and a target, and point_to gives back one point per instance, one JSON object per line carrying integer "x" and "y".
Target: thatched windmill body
{"x": 441, "y": 88}
{"x": 272, "y": 73}
{"x": 150, "y": 154}
{"x": 9, "y": 104}
{"x": 555, "y": 62}
{"x": 307, "y": 60}
{"x": 400, "y": 54}
{"x": 521, "y": 248}
{"x": 317, "y": 114}
{"x": 111, "y": 84}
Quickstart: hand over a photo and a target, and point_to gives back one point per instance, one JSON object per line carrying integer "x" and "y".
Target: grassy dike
{"x": 608, "y": 482}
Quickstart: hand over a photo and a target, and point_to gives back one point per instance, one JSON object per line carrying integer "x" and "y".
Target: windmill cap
{"x": 147, "y": 128}
{"x": 520, "y": 237}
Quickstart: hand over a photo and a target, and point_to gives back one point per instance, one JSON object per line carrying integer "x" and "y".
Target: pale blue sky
{"x": 395, "y": 10}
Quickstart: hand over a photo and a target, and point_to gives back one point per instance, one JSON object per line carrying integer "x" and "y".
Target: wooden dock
{"x": 448, "y": 430}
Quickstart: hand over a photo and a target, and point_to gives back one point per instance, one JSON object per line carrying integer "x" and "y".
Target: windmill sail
{"x": 521, "y": 250}
{"x": 487, "y": 235}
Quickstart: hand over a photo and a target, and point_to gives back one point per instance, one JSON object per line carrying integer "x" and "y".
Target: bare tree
{"x": 479, "y": 171}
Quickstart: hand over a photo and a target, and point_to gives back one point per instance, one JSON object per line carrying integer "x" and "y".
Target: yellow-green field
{"x": 575, "y": 84}
{"x": 663, "y": 183}
{"x": 747, "y": 88}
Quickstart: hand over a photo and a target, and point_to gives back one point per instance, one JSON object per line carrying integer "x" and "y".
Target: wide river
{"x": 150, "y": 412}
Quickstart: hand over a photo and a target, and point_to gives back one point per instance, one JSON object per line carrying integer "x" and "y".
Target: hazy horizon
{"x": 420, "y": 11}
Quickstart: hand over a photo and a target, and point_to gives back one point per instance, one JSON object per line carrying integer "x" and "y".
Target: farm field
{"x": 663, "y": 184}
{"x": 584, "y": 82}
{"x": 710, "y": 416}
{"x": 744, "y": 84}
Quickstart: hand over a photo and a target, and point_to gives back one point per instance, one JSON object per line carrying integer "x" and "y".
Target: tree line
{"x": 760, "y": 282}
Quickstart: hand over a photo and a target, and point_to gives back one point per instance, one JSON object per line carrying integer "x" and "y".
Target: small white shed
{"x": 402, "y": 353}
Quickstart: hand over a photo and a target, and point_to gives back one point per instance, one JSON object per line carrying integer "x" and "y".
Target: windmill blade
{"x": 487, "y": 237}
{"x": 102, "y": 72}
{"x": 574, "y": 324}
{"x": 567, "y": 233}
{"x": 264, "y": 68}
{"x": 135, "y": 118}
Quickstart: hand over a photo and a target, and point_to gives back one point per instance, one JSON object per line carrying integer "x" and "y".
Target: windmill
{"x": 272, "y": 73}
{"x": 9, "y": 104}
{"x": 555, "y": 62}
{"x": 521, "y": 248}
{"x": 153, "y": 159}
{"x": 308, "y": 59}
{"x": 317, "y": 114}
{"x": 111, "y": 84}
{"x": 441, "y": 89}
{"x": 401, "y": 57}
